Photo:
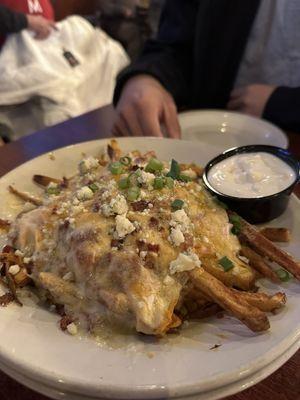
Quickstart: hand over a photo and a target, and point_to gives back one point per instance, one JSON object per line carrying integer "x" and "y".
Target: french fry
{"x": 265, "y": 247}
{"x": 259, "y": 264}
{"x": 113, "y": 150}
{"x": 44, "y": 181}
{"x": 25, "y": 196}
{"x": 276, "y": 234}
{"x": 262, "y": 301}
{"x": 255, "y": 319}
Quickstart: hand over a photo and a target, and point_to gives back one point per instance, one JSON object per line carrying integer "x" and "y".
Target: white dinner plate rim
{"x": 202, "y": 112}
{"x": 214, "y": 394}
{"x": 141, "y": 391}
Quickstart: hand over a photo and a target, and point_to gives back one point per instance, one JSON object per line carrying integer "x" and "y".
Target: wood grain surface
{"x": 284, "y": 384}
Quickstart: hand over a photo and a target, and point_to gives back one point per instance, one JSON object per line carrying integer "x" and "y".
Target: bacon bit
{"x": 117, "y": 243}
{"x": 6, "y": 299}
{"x": 65, "y": 321}
{"x": 60, "y": 309}
{"x": 8, "y": 249}
{"x": 96, "y": 207}
{"x": 143, "y": 246}
{"x": 140, "y": 205}
{"x": 153, "y": 222}
{"x": 4, "y": 223}
{"x": 188, "y": 242}
{"x": 134, "y": 168}
{"x": 66, "y": 224}
{"x": 54, "y": 210}
{"x": 12, "y": 287}
{"x": 3, "y": 269}
{"x": 153, "y": 247}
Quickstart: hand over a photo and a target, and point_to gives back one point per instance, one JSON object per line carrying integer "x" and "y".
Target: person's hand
{"x": 145, "y": 108}
{"x": 40, "y": 25}
{"x": 250, "y": 99}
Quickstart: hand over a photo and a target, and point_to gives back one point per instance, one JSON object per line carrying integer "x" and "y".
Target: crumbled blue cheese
{"x": 123, "y": 226}
{"x": 184, "y": 262}
{"x": 179, "y": 224}
{"x": 119, "y": 205}
{"x": 176, "y": 236}
{"x": 14, "y": 269}
{"x": 179, "y": 218}
{"x": 146, "y": 178}
{"x": 87, "y": 164}
{"x": 19, "y": 253}
{"x": 72, "y": 329}
{"x": 106, "y": 210}
{"x": 52, "y": 185}
{"x": 85, "y": 193}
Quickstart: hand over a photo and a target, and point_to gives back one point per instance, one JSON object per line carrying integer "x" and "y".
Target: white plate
{"x": 178, "y": 366}
{"x": 229, "y": 129}
{"x": 216, "y": 394}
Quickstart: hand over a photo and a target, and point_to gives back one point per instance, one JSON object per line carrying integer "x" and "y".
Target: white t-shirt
{"x": 272, "y": 54}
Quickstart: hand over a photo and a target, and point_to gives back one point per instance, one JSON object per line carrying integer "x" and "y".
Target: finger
{"x": 170, "y": 119}
{"x": 122, "y": 127}
{"x": 150, "y": 124}
{"x": 132, "y": 122}
{"x": 238, "y": 92}
{"x": 116, "y": 132}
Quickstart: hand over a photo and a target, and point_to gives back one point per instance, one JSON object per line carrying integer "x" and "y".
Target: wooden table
{"x": 284, "y": 384}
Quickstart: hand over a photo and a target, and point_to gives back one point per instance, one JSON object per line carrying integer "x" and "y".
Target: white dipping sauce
{"x": 250, "y": 175}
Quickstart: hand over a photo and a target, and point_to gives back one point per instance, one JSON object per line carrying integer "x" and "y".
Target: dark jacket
{"x": 11, "y": 21}
{"x": 197, "y": 53}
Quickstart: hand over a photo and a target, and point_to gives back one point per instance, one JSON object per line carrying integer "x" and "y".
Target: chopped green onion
{"x": 123, "y": 183}
{"x": 174, "y": 170}
{"x": 184, "y": 178}
{"x": 133, "y": 178}
{"x": 154, "y": 165}
{"x": 53, "y": 190}
{"x": 158, "y": 183}
{"x": 226, "y": 263}
{"x": 236, "y": 222}
{"x": 125, "y": 160}
{"x": 93, "y": 187}
{"x": 177, "y": 204}
{"x": 283, "y": 275}
{"x": 169, "y": 182}
{"x": 133, "y": 193}
{"x": 116, "y": 168}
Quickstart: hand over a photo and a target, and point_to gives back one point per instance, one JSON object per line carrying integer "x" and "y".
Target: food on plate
{"x": 276, "y": 234}
{"x": 140, "y": 242}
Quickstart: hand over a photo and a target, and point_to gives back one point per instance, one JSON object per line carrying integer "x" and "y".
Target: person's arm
{"x": 283, "y": 108}
{"x": 11, "y": 21}
{"x": 146, "y": 90}
{"x": 168, "y": 58}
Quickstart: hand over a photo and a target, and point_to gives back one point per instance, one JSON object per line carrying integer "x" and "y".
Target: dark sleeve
{"x": 168, "y": 58}
{"x": 11, "y": 21}
{"x": 283, "y": 108}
